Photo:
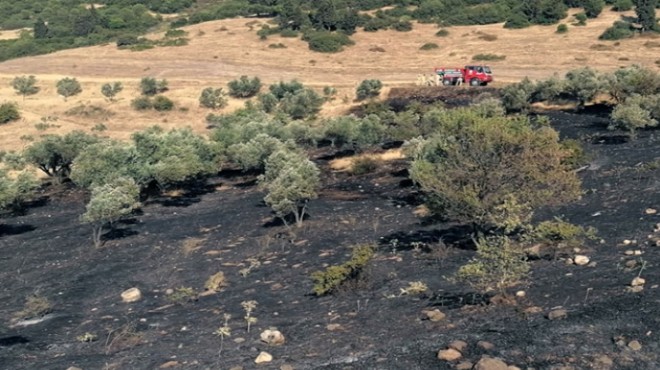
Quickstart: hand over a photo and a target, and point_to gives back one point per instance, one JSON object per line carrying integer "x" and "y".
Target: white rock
{"x": 458, "y": 345}
{"x": 131, "y": 295}
{"x": 581, "y": 260}
{"x": 263, "y": 358}
{"x": 627, "y": 242}
{"x": 520, "y": 293}
{"x": 272, "y": 337}
{"x": 651, "y": 211}
{"x": 491, "y": 363}
{"x": 638, "y": 281}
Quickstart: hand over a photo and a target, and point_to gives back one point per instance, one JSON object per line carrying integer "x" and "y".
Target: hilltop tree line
{"x": 325, "y": 24}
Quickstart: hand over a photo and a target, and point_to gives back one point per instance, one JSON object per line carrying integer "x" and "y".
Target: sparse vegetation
{"x": 488, "y": 57}
{"x": 429, "y": 46}
{"x": 329, "y": 280}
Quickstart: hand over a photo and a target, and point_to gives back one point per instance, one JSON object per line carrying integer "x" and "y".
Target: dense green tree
{"x": 291, "y": 180}
{"x": 645, "y": 10}
{"x": 54, "y": 154}
{"x": 110, "y": 203}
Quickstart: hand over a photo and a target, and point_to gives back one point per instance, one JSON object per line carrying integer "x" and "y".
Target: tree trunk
{"x": 97, "y": 232}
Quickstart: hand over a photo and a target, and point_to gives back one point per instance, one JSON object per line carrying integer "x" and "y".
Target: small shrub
{"x": 592, "y": 8}
{"x": 68, "y": 87}
{"x": 183, "y": 296}
{"x": 363, "y": 165}
{"x": 244, "y": 87}
{"x": 560, "y": 231}
{"x": 301, "y": 104}
{"x": 443, "y": 32}
{"x": 172, "y": 32}
{"x": 9, "y": 112}
{"x": 327, "y": 42}
{"x": 213, "y": 98}
{"x": 632, "y": 114}
{"x": 429, "y": 46}
{"x": 377, "y": 49}
{"x": 162, "y": 103}
{"x": 282, "y": 88}
{"x": 288, "y": 33}
{"x": 402, "y": 26}
{"x": 499, "y": 264}
{"x": 576, "y": 156}
{"x": 581, "y": 19}
{"x": 35, "y": 306}
{"x": 487, "y": 37}
{"x": 368, "y": 89}
{"x": 216, "y": 282}
{"x": 333, "y": 277}
{"x": 149, "y": 86}
{"x": 488, "y": 57}
{"x": 329, "y": 93}
{"x": 142, "y": 103}
{"x": 562, "y": 28}
{"x": 277, "y": 46}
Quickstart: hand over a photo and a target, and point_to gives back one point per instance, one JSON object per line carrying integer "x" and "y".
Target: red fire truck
{"x": 474, "y": 75}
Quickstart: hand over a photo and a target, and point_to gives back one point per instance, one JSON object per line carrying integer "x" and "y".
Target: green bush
{"x": 9, "y": 112}
{"x": 517, "y": 21}
{"x": 329, "y": 280}
{"x": 562, "y": 28}
{"x": 633, "y": 114}
{"x": 162, "y": 103}
{"x": 213, "y": 98}
{"x": 429, "y": 46}
{"x": 635, "y": 79}
{"x": 244, "y": 87}
{"x": 402, "y": 26}
{"x": 620, "y": 30}
{"x": 327, "y": 42}
{"x": 141, "y": 103}
{"x": 54, "y": 154}
{"x": 465, "y": 169}
{"x": 499, "y": 264}
{"x": 68, "y": 87}
{"x": 288, "y": 33}
{"x": 581, "y": 19}
{"x": 363, "y": 165}
{"x": 560, "y": 231}
{"x": 16, "y": 189}
{"x": 368, "y": 89}
{"x": 111, "y": 90}
{"x": 282, "y": 88}
{"x": 252, "y": 155}
{"x": 149, "y": 86}
{"x": 517, "y": 97}
{"x": 623, "y": 5}
{"x": 301, "y": 104}
{"x": 25, "y": 85}
{"x": 583, "y": 85}
{"x": 268, "y": 102}
{"x": 593, "y": 8}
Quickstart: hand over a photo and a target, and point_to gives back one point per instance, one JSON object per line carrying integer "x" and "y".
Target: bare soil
{"x": 180, "y": 241}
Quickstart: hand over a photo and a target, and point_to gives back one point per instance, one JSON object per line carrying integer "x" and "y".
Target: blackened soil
{"x": 180, "y": 242}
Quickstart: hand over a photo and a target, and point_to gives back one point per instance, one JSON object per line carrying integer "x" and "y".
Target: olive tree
{"x": 368, "y": 89}
{"x": 149, "y": 86}
{"x": 213, "y": 98}
{"x": 68, "y": 87}
{"x": 636, "y": 112}
{"x": 54, "y": 154}
{"x": 244, "y": 87}
{"x": 302, "y": 103}
{"x": 631, "y": 80}
{"x": 110, "y": 203}
{"x": 101, "y": 163}
{"x": 583, "y": 85}
{"x": 25, "y": 85}
{"x": 491, "y": 172}
{"x": 252, "y": 155}
{"x": 110, "y": 90}
{"x": 291, "y": 181}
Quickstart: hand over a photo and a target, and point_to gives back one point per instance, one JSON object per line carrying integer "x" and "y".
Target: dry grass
{"x": 346, "y": 163}
{"x": 213, "y": 57}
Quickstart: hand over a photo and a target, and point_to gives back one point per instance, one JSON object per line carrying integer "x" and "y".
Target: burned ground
{"x": 181, "y": 242}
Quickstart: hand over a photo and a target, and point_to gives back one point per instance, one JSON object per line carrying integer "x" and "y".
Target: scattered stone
{"x": 635, "y": 289}
{"x": 631, "y": 264}
{"x": 236, "y": 368}
{"x": 464, "y": 365}
{"x": 435, "y": 315}
{"x": 449, "y": 354}
{"x": 334, "y": 327}
{"x": 272, "y": 337}
{"x": 131, "y": 295}
{"x": 239, "y": 340}
{"x": 638, "y": 281}
{"x": 263, "y": 358}
{"x": 651, "y": 211}
{"x": 511, "y": 367}
{"x": 533, "y": 309}
{"x": 169, "y": 364}
{"x": 581, "y": 260}
{"x": 635, "y": 345}
{"x": 627, "y": 242}
{"x": 520, "y": 294}
{"x": 458, "y": 345}
{"x": 603, "y": 362}
{"x": 557, "y": 314}
{"x": 629, "y": 252}
{"x": 569, "y": 261}
{"x": 488, "y": 346}
{"x": 73, "y": 368}
{"x": 286, "y": 367}
{"x": 491, "y": 363}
